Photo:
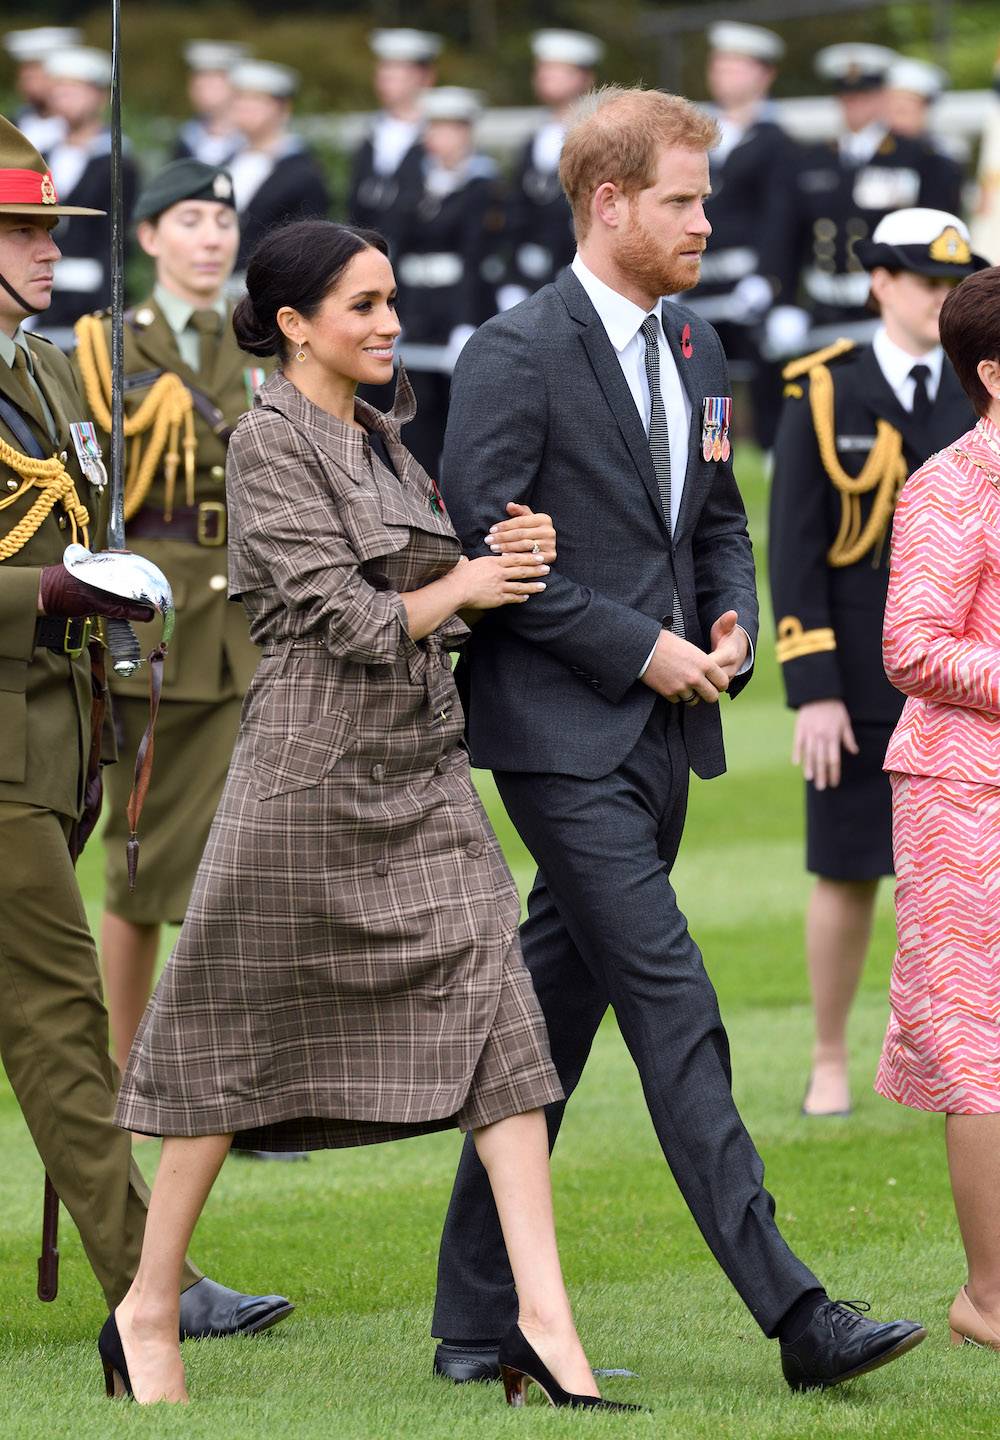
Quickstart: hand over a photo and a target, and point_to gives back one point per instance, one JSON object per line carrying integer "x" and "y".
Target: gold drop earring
{"x": 300, "y": 354}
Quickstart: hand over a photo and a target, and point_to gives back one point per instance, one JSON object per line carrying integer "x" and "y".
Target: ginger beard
{"x": 660, "y": 265}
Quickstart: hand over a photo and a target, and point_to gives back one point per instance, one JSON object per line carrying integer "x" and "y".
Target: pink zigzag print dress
{"x": 941, "y": 647}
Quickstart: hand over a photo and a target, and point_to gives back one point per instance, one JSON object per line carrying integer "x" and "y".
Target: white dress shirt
{"x": 622, "y": 319}
{"x": 858, "y": 147}
{"x": 546, "y": 147}
{"x": 391, "y": 139}
{"x": 896, "y": 365}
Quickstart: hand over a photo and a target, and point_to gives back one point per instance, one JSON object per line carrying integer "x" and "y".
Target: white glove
{"x": 785, "y": 331}
{"x": 751, "y": 297}
{"x": 457, "y": 341}
{"x": 510, "y": 295}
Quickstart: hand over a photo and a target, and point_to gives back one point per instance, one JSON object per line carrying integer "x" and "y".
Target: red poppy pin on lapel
{"x": 687, "y": 349}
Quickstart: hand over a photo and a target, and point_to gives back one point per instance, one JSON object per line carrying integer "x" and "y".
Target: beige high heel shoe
{"x": 967, "y": 1325}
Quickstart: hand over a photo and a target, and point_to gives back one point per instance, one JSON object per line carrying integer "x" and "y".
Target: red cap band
{"x": 27, "y": 187}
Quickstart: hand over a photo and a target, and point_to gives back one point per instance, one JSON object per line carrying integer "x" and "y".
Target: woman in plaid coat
{"x": 348, "y": 970}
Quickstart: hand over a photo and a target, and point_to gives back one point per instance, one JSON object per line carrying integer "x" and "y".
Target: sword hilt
{"x": 123, "y": 647}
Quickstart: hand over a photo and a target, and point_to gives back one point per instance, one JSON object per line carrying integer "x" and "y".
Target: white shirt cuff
{"x": 647, "y": 663}
{"x": 747, "y": 663}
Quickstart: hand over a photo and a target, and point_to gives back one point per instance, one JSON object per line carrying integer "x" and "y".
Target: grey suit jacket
{"x": 542, "y": 414}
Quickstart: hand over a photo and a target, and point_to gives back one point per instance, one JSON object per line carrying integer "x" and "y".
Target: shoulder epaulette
{"x": 802, "y": 366}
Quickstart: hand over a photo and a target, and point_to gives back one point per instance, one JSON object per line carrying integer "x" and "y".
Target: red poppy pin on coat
{"x": 687, "y": 349}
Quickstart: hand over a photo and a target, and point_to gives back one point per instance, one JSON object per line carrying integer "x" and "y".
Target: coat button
{"x": 474, "y": 848}
{"x": 381, "y": 867}
{"x": 218, "y": 582}
{"x": 218, "y": 472}
{"x": 378, "y": 773}
{"x": 61, "y": 522}
{"x": 11, "y": 484}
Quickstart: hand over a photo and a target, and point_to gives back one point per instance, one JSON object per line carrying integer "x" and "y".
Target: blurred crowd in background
{"x": 469, "y": 237}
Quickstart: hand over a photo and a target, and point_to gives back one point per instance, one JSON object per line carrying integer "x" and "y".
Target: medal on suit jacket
{"x": 716, "y": 417}
{"x": 88, "y": 452}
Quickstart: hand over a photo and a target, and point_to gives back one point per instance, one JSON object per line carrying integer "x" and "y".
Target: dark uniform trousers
{"x": 604, "y": 928}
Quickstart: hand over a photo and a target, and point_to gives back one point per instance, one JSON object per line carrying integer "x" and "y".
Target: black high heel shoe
{"x": 109, "y": 1345}
{"x": 519, "y": 1365}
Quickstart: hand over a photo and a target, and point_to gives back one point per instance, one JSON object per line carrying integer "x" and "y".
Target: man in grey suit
{"x": 597, "y": 402}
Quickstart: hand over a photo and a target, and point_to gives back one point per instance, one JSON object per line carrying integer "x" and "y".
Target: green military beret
{"x": 183, "y": 180}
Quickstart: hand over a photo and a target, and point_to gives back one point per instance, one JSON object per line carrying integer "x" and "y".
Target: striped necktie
{"x": 659, "y": 444}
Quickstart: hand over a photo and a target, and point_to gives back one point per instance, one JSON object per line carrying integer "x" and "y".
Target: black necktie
{"x": 920, "y": 374}
{"x": 207, "y": 324}
{"x": 659, "y": 442}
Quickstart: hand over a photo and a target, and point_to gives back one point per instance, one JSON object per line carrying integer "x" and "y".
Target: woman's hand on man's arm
{"x": 522, "y": 532}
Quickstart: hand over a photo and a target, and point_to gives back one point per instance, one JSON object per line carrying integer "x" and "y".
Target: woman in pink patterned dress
{"x": 941, "y": 647}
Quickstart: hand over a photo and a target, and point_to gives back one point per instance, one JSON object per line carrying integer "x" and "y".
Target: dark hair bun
{"x": 295, "y": 264}
{"x": 253, "y": 335}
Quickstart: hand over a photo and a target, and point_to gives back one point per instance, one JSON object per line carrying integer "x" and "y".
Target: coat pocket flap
{"x": 304, "y": 757}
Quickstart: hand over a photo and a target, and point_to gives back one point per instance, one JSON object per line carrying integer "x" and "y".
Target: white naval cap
{"x": 732, "y": 37}
{"x": 25, "y": 46}
{"x": 417, "y": 47}
{"x": 917, "y": 225}
{"x": 265, "y": 77}
{"x": 922, "y": 241}
{"x": 214, "y": 54}
{"x": 80, "y": 62}
{"x": 451, "y": 102}
{"x": 855, "y": 66}
{"x": 568, "y": 47}
{"x": 919, "y": 77}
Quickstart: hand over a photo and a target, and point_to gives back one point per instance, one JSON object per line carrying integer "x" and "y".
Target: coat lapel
{"x": 601, "y": 354}
{"x": 879, "y": 398}
{"x": 696, "y": 379}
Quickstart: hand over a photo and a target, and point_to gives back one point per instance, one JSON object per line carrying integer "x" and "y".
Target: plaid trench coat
{"x": 348, "y": 970}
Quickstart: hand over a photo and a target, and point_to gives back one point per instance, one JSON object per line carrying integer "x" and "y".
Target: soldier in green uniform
{"x": 53, "y": 1025}
{"x": 187, "y": 383}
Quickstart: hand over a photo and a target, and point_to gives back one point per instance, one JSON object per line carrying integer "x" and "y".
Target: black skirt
{"x": 849, "y": 828}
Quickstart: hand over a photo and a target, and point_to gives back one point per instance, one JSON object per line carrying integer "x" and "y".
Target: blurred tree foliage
{"x": 487, "y": 42}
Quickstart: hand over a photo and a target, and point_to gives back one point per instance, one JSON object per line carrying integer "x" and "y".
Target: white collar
{"x": 896, "y": 364}
{"x": 620, "y": 316}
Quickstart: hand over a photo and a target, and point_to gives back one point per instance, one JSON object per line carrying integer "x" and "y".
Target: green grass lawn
{"x": 352, "y": 1236}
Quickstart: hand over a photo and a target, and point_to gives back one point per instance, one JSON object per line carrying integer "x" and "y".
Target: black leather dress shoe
{"x": 839, "y": 1343}
{"x": 209, "y": 1310}
{"x": 463, "y": 1363}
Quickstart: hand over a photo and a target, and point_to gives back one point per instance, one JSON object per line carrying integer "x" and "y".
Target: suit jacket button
{"x": 378, "y": 773}
{"x": 381, "y": 867}
{"x": 218, "y": 582}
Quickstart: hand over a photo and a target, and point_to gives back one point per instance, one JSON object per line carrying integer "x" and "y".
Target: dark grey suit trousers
{"x": 604, "y": 928}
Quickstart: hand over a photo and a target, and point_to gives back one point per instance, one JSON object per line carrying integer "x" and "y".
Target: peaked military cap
{"x": 26, "y": 186}
{"x": 568, "y": 47}
{"x": 922, "y": 242}
{"x": 187, "y": 179}
{"x": 26, "y": 47}
{"x": 416, "y": 47}
{"x": 854, "y": 65}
